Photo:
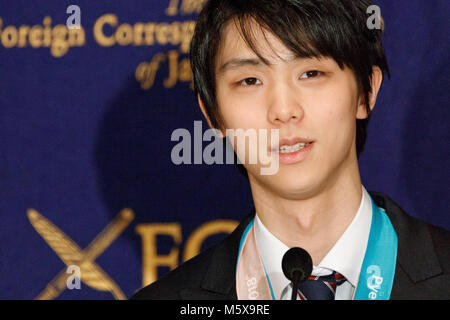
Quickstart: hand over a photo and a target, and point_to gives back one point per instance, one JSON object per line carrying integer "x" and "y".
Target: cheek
{"x": 336, "y": 117}
{"x": 240, "y": 112}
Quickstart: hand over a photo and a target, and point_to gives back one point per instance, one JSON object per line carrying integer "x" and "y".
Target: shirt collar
{"x": 345, "y": 257}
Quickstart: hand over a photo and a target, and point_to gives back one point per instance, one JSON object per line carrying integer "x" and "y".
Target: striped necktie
{"x": 320, "y": 288}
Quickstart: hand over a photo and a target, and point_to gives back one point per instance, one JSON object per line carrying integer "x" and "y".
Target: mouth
{"x": 291, "y": 151}
{"x": 286, "y": 149}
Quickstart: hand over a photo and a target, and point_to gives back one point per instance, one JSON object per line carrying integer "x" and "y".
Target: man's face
{"x": 308, "y": 100}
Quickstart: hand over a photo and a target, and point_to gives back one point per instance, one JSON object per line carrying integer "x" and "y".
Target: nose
{"x": 284, "y": 104}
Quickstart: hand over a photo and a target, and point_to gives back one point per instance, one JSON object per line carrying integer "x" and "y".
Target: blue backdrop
{"x": 86, "y": 118}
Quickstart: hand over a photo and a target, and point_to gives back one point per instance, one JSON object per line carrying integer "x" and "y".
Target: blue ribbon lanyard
{"x": 377, "y": 272}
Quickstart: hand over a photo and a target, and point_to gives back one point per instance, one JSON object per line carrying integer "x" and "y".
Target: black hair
{"x": 309, "y": 28}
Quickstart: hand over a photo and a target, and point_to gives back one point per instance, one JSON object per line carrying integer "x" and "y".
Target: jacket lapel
{"x": 416, "y": 257}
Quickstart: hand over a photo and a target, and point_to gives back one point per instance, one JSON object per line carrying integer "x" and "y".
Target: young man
{"x": 312, "y": 70}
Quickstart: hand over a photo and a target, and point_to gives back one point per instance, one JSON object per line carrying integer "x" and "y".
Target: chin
{"x": 296, "y": 185}
{"x": 297, "y": 191}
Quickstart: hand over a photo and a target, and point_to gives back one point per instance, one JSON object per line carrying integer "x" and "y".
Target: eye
{"x": 249, "y": 82}
{"x": 311, "y": 74}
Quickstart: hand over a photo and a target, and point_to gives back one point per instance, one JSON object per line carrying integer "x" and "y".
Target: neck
{"x": 314, "y": 222}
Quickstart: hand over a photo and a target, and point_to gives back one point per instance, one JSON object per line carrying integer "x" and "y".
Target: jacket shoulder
{"x": 189, "y": 274}
{"x": 441, "y": 241}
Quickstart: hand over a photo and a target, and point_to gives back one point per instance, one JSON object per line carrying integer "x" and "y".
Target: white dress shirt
{"x": 346, "y": 256}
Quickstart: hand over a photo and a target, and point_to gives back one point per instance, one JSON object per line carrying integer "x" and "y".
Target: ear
{"x": 205, "y": 114}
{"x": 377, "y": 79}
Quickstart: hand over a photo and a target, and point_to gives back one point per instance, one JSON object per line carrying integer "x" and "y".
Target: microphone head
{"x": 297, "y": 264}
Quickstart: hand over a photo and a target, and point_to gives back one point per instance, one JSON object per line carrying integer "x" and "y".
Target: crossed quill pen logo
{"x": 71, "y": 254}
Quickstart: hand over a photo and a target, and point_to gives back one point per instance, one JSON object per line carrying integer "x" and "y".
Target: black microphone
{"x": 297, "y": 266}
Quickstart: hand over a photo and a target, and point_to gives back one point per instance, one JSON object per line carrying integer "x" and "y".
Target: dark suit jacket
{"x": 422, "y": 268}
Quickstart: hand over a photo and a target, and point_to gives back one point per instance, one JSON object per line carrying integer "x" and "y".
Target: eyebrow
{"x": 239, "y": 62}
{"x": 242, "y": 62}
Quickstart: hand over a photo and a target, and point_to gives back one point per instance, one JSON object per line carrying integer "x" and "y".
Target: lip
{"x": 289, "y": 142}
{"x": 297, "y": 156}
{"x": 292, "y": 141}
